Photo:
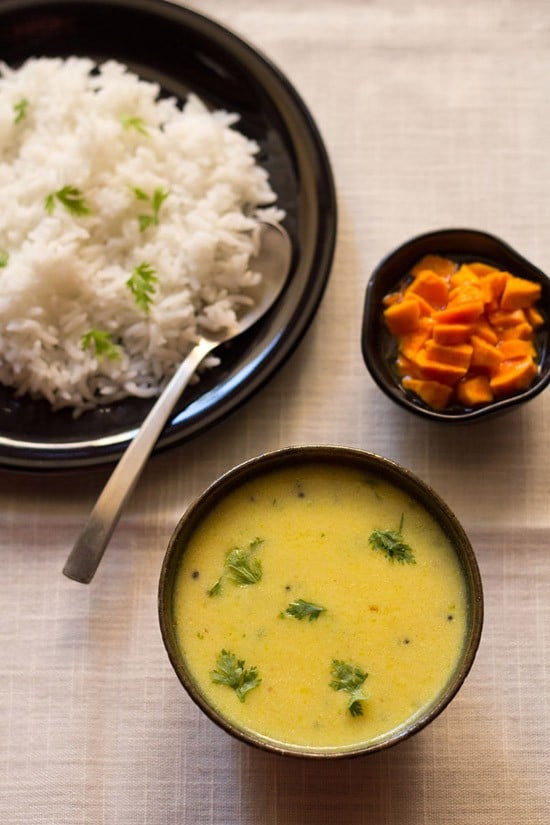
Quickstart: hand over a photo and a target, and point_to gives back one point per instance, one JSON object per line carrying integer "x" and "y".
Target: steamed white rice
{"x": 107, "y": 134}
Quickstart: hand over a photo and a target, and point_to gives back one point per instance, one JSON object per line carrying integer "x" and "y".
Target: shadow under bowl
{"x": 379, "y": 347}
{"x": 333, "y": 458}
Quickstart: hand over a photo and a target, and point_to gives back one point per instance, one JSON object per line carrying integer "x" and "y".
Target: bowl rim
{"x": 311, "y": 454}
{"x": 371, "y": 322}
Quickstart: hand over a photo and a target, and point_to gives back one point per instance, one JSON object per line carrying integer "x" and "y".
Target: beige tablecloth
{"x": 434, "y": 114}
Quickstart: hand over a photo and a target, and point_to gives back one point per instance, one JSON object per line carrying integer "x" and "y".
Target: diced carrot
{"x": 481, "y": 269}
{"x": 534, "y": 317}
{"x": 402, "y": 318}
{"x": 483, "y": 329}
{"x": 516, "y": 348}
{"x": 410, "y": 344}
{"x": 438, "y": 371}
{"x": 513, "y": 376}
{"x": 519, "y": 293}
{"x": 441, "y": 266}
{"x": 426, "y": 309}
{"x": 464, "y": 275}
{"x": 430, "y": 286}
{"x": 465, "y": 333}
{"x": 433, "y": 393}
{"x": 464, "y": 293}
{"x": 484, "y": 354}
{"x": 449, "y": 334}
{"x": 492, "y": 287}
{"x": 503, "y": 318}
{"x": 523, "y": 331}
{"x": 406, "y": 366}
{"x": 474, "y": 391}
{"x": 459, "y": 355}
{"x": 464, "y": 313}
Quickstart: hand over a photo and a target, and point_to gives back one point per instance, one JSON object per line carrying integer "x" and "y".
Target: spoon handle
{"x": 92, "y": 541}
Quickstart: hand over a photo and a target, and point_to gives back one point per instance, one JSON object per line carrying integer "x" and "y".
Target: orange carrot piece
{"x": 426, "y": 308}
{"x": 485, "y": 354}
{"x": 459, "y": 355}
{"x": 406, "y": 366}
{"x": 516, "y": 348}
{"x": 410, "y": 344}
{"x": 403, "y": 317}
{"x": 483, "y": 329}
{"x": 398, "y": 297}
{"x": 503, "y": 318}
{"x": 430, "y": 286}
{"x": 449, "y": 334}
{"x": 523, "y": 331}
{"x": 441, "y": 266}
{"x": 433, "y": 393}
{"x": 464, "y": 293}
{"x": 534, "y": 317}
{"x": 438, "y": 371}
{"x": 492, "y": 287}
{"x": 464, "y": 275}
{"x": 513, "y": 376}
{"x": 482, "y": 269}
{"x": 463, "y": 313}
{"x": 474, "y": 391}
{"x": 519, "y": 293}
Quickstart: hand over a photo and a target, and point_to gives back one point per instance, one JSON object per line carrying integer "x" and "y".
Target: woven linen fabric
{"x": 434, "y": 115}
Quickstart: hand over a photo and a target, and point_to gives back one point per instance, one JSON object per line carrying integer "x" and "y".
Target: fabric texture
{"x": 434, "y": 115}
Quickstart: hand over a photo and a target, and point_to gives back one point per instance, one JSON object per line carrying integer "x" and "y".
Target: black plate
{"x": 183, "y": 51}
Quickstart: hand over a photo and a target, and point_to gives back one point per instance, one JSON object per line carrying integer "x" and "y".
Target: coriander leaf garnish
{"x": 102, "y": 343}
{"x": 390, "y": 542}
{"x": 301, "y": 609}
{"x": 71, "y": 198}
{"x": 355, "y": 707}
{"x": 135, "y": 123}
{"x": 216, "y": 588}
{"x": 349, "y": 678}
{"x": 142, "y": 285}
{"x": 241, "y": 566}
{"x": 20, "y": 109}
{"x": 231, "y": 671}
{"x": 140, "y": 194}
{"x": 155, "y": 200}
{"x": 4, "y": 258}
{"x": 159, "y": 196}
{"x": 145, "y": 221}
{"x": 346, "y": 676}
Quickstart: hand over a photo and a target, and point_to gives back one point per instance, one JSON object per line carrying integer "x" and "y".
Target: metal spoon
{"x": 273, "y": 261}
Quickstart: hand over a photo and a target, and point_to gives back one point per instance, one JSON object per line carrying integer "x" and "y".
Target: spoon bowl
{"x": 273, "y": 261}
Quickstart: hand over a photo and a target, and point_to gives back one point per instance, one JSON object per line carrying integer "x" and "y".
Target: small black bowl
{"x": 379, "y": 346}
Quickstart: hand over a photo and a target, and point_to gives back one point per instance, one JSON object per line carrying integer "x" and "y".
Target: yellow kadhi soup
{"x": 352, "y": 618}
